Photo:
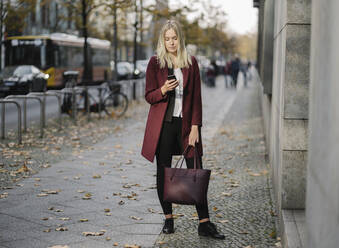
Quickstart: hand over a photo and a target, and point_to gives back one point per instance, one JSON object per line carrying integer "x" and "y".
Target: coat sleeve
{"x": 153, "y": 93}
{"x": 197, "y": 105}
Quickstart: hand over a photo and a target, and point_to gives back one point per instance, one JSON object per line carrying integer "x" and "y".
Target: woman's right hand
{"x": 169, "y": 86}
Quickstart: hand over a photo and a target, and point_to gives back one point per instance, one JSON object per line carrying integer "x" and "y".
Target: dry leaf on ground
{"x": 135, "y": 218}
{"x": 93, "y": 233}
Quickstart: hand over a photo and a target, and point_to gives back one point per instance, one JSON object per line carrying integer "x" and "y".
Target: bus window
{"x": 23, "y": 55}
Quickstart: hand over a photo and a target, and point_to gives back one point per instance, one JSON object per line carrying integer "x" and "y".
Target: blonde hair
{"x": 183, "y": 58}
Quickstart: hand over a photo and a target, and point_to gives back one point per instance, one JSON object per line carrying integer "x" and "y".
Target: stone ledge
{"x": 293, "y": 228}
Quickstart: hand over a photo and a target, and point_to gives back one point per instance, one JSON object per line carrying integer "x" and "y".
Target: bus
{"x": 57, "y": 52}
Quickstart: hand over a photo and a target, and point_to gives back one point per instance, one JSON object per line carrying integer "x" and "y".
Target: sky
{"x": 241, "y": 15}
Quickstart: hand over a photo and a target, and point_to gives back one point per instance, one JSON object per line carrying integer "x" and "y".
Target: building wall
{"x": 322, "y": 212}
{"x": 289, "y": 105}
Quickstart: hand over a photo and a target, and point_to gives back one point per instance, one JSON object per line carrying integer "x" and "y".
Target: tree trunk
{"x": 87, "y": 73}
{"x": 135, "y": 37}
{"x": 115, "y": 30}
{"x": 1, "y": 34}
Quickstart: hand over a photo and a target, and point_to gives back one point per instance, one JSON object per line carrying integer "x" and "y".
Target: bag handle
{"x": 197, "y": 162}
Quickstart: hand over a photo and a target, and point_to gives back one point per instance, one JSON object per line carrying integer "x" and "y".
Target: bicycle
{"x": 111, "y": 100}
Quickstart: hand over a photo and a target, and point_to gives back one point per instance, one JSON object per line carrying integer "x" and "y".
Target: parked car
{"x": 141, "y": 68}
{"x": 125, "y": 70}
{"x": 22, "y": 80}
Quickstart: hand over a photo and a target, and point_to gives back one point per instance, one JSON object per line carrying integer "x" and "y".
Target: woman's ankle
{"x": 204, "y": 220}
{"x": 169, "y": 216}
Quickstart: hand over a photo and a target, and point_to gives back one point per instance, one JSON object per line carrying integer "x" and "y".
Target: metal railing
{"x": 44, "y": 95}
{"x": 25, "y": 97}
{"x": 3, "y": 116}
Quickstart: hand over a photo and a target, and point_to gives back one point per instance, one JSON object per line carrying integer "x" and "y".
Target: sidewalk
{"x": 105, "y": 196}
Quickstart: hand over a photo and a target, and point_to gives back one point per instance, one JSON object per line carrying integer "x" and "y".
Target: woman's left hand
{"x": 194, "y": 136}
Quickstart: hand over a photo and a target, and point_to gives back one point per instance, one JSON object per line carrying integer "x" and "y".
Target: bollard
{"x": 134, "y": 90}
{"x": 3, "y": 119}
{"x": 25, "y": 115}
{"x": 100, "y": 101}
{"x": 3, "y": 114}
{"x": 74, "y": 107}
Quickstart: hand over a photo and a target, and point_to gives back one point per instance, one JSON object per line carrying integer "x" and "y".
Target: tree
{"x": 112, "y": 7}
{"x": 84, "y": 8}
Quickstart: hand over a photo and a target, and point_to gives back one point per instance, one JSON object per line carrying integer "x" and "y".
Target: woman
{"x": 175, "y": 115}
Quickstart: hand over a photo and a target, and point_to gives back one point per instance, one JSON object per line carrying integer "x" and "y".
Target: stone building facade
{"x": 297, "y": 64}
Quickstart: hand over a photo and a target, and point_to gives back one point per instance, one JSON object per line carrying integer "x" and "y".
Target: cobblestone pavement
{"x": 88, "y": 186}
{"x": 239, "y": 191}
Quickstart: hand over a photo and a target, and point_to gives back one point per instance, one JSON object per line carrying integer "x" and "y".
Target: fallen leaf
{"x": 83, "y": 220}
{"x": 132, "y": 246}
{"x": 44, "y": 218}
{"x": 226, "y": 194}
{"x": 93, "y": 233}
{"x": 115, "y": 244}
{"x": 108, "y": 238}
{"x": 42, "y": 195}
{"x": 61, "y": 229}
{"x": 3, "y": 195}
{"x": 47, "y": 230}
{"x": 223, "y": 221}
{"x": 96, "y": 176}
{"x": 151, "y": 210}
{"x": 135, "y": 218}
{"x": 64, "y": 218}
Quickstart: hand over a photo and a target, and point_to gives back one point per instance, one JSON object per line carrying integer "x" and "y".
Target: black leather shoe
{"x": 169, "y": 226}
{"x": 208, "y": 229}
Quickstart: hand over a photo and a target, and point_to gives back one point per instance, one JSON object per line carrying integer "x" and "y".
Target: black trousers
{"x": 170, "y": 137}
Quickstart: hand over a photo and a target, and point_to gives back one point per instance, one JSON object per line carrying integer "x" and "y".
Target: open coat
{"x": 191, "y": 109}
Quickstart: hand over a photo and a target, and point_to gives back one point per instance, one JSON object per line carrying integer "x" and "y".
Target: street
{"x": 105, "y": 196}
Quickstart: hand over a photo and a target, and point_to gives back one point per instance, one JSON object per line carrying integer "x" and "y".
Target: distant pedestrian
{"x": 211, "y": 74}
{"x": 249, "y": 72}
{"x": 244, "y": 70}
{"x": 173, "y": 125}
{"x": 227, "y": 74}
{"x": 235, "y": 67}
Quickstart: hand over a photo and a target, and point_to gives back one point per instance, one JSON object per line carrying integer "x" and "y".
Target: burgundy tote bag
{"x": 186, "y": 186}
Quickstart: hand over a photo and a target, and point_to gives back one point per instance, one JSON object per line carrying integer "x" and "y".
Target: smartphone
{"x": 170, "y": 77}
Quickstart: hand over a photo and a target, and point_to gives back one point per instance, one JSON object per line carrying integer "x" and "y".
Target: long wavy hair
{"x": 183, "y": 58}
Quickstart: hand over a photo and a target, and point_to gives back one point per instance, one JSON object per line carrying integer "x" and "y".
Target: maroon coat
{"x": 191, "y": 109}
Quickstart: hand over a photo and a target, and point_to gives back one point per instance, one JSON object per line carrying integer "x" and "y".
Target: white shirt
{"x": 178, "y": 93}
